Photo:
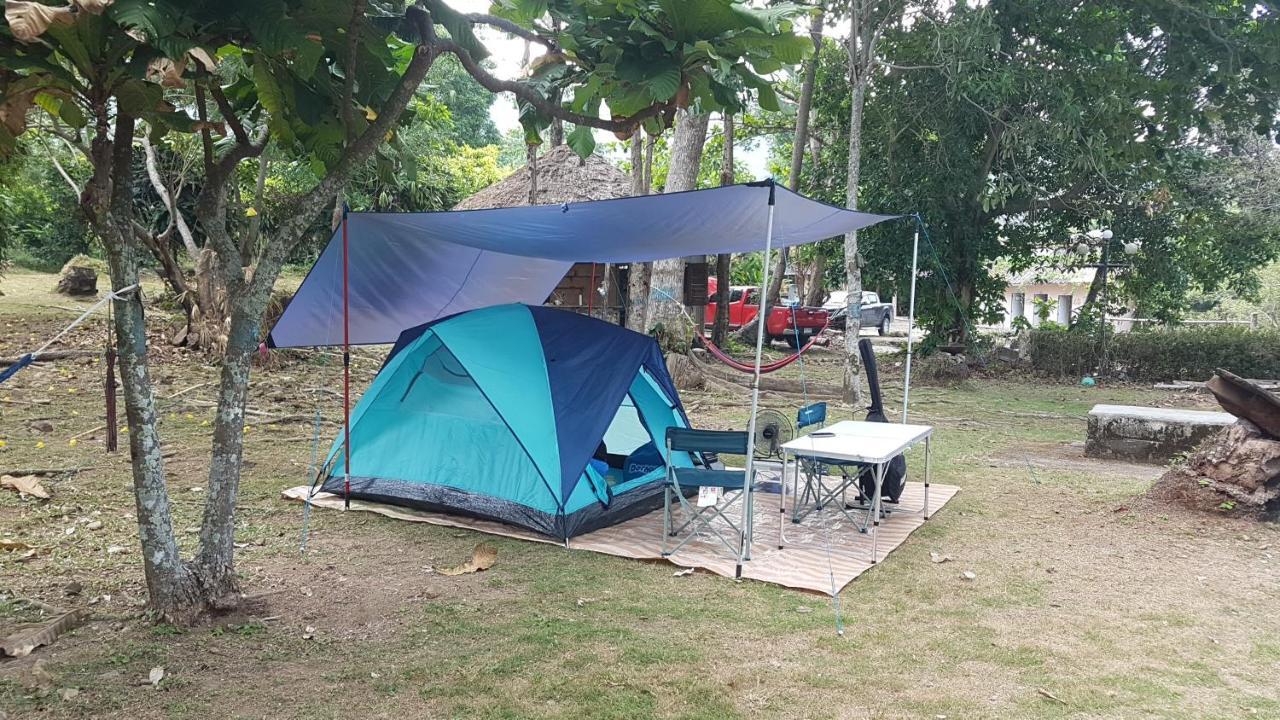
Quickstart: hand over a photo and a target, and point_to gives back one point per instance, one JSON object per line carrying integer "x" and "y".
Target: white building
{"x": 1063, "y": 291}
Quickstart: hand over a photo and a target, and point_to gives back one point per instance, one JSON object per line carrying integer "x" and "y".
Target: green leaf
{"x": 523, "y": 12}
{"x": 155, "y": 18}
{"x": 663, "y": 83}
{"x": 765, "y": 94}
{"x": 788, "y": 49}
{"x": 273, "y": 99}
{"x": 309, "y": 54}
{"x": 137, "y": 97}
{"x": 459, "y": 27}
{"x": 72, "y": 115}
{"x": 174, "y": 121}
{"x": 582, "y": 141}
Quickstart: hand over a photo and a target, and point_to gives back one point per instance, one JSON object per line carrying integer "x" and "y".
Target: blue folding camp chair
{"x": 684, "y": 481}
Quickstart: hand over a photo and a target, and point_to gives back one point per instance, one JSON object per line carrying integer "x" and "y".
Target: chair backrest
{"x": 733, "y": 442}
{"x": 813, "y": 414}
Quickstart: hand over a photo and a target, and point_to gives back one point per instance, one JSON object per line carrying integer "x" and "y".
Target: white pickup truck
{"x": 875, "y": 314}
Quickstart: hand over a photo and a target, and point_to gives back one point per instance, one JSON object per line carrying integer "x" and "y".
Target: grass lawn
{"x": 1089, "y": 600}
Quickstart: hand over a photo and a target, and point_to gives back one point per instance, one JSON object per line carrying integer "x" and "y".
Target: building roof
{"x": 563, "y": 177}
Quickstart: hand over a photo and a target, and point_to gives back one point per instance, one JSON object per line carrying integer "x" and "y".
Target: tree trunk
{"x": 215, "y": 560}
{"x": 639, "y": 274}
{"x": 720, "y": 328}
{"x": 813, "y": 284}
{"x": 815, "y": 289}
{"x": 668, "y": 319}
{"x": 774, "y": 292}
{"x": 531, "y": 155}
{"x": 170, "y": 584}
{"x": 852, "y": 262}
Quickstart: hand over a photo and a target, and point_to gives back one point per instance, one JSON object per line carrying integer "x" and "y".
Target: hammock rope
{"x": 34, "y": 355}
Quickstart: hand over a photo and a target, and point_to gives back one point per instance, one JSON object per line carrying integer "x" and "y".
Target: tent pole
{"x": 761, "y": 330}
{"x": 911, "y": 318}
{"x": 346, "y": 370}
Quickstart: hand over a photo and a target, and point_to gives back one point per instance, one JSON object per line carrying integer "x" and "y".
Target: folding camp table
{"x": 869, "y": 443}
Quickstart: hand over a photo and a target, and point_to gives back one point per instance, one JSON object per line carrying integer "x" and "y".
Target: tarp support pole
{"x": 911, "y": 318}
{"x": 346, "y": 369}
{"x": 762, "y": 328}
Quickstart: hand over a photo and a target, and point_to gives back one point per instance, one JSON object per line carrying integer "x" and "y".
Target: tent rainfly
{"x": 528, "y": 415}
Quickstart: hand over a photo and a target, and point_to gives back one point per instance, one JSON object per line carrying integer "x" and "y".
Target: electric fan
{"x": 773, "y": 429}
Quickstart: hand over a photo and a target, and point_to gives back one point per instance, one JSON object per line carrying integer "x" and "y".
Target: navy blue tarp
{"x": 409, "y": 267}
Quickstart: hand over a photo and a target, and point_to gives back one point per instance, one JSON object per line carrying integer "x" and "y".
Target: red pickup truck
{"x": 781, "y": 325}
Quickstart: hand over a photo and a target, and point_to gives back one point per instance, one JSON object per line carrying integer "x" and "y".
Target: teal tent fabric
{"x": 496, "y": 413}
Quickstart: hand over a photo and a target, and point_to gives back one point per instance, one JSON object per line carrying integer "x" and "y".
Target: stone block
{"x": 1147, "y": 434}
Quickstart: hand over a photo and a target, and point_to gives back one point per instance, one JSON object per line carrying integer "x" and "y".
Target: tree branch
{"x": 170, "y": 202}
{"x": 228, "y": 114}
{"x": 72, "y": 141}
{"x": 1061, "y": 201}
{"x": 507, "y": 26}
{"x": 63, "y": 172}
{"x": 531, "y": 96}
{"x": 202, "y": 113}
{"x": 349, "y": 75}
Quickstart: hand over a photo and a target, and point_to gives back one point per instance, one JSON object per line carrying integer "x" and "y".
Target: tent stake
{"x": 346, "y": 370}
{"x": 761, "y": 330}
{"x": 911, "y": 318}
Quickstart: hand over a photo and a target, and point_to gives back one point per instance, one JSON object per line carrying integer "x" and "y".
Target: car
{"x": 795, "y": 325}
{"x": 875, "y": 314}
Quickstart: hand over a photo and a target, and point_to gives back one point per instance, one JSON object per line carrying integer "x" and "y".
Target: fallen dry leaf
{"x": 26, "y": 638}
{"x": 13, "y": 545}
{"x": 25, "y": 485}
{"x": 482, "y": 558}
{"x": 155, "y": 676}
{"x": 938, "y": 558}
{"x": 682, "y": 573}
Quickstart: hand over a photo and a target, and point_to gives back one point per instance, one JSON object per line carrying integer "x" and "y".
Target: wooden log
{"x": 1246, "y": 400}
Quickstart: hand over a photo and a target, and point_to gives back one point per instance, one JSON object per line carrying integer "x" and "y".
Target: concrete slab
{"x": 1148, "y": 434}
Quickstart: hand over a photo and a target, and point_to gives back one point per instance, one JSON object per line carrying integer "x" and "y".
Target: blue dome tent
{"x": 528, "y": 415}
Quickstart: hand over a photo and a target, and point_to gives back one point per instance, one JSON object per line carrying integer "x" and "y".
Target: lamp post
{"x": 1085, "y": 244}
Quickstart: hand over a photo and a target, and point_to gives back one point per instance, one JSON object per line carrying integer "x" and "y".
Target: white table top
{"x": 857, "y": 441}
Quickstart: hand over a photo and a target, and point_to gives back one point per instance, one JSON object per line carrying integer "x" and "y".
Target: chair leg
{"x": 666, "y": 517}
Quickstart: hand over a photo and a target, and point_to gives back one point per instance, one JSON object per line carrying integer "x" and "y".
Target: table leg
{"x": 926, "y": 477}
{"x": 875, "y": 508}
{"x": 782, "y": 502}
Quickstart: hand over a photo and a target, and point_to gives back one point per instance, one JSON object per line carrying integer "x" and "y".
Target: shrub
{"x": 1159, "y": 354}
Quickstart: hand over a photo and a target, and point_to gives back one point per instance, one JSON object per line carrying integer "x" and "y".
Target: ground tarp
{"x": 822, "y": 554}
{"x": 409, "y": 268}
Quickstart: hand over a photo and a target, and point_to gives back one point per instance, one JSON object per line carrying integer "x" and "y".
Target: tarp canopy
{"x": 409, "y": 268}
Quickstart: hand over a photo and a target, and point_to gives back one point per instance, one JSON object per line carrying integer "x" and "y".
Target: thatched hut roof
{"x": 562, "y": 177}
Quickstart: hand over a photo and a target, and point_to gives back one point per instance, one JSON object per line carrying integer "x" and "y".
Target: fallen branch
{"x": 52, "y": 355}
{"x": 187, "y": 390}
{"x": 77, "y": 436}
{"x": 46, "y": 471}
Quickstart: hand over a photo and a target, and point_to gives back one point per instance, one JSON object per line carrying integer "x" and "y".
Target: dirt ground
{"x": 1089, "y": 600}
